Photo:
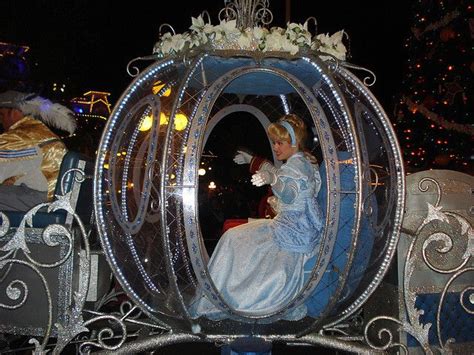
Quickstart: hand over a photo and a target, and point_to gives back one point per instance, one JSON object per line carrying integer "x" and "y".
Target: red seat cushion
{"x": 230, "y": 223}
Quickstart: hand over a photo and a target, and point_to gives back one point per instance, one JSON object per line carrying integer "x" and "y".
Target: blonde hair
{"x": 277, "y": 132}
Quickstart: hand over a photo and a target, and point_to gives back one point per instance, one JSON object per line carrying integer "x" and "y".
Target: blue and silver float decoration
{"x": 147, "y": 181}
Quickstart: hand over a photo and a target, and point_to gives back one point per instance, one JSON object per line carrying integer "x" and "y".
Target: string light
{"x": 434, "y": 117}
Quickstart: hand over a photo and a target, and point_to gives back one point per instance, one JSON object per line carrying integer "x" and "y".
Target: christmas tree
{"x": 434, "y": 111}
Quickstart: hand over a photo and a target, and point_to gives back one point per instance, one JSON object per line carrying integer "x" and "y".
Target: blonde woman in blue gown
{"x": 258, "y": 267}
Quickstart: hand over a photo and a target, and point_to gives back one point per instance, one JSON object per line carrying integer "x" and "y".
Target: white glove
{"x": 242, "y": 157}
{"x": 263, "y": 177}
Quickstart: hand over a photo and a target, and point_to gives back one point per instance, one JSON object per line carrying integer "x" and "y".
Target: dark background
{"x": 89, "y": 43}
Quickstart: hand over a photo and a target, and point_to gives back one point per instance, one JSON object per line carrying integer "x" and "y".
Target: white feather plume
{"x": 52, "y": 114}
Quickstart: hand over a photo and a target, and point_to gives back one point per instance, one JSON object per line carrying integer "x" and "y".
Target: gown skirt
{"x": 253, "y": 274}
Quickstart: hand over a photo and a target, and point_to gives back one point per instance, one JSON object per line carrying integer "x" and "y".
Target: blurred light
{"x": 146, "y": 123}
{"x": 180, "y": 121}
{"x": 157, "y": 86}
{"x": 202, "y": 172}
{"x": 163, "y": 119}
{"x": 285, "y": 104}
{"x": 212, "y": 185}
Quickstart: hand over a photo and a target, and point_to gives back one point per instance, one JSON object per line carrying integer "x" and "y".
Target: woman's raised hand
{"x": 242, "y": 157}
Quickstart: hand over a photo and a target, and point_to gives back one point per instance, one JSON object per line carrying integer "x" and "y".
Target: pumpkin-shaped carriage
{"x": 147, "y": 179}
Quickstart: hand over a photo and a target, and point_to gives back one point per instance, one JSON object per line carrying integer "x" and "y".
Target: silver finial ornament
{"x": 248, "y": 13}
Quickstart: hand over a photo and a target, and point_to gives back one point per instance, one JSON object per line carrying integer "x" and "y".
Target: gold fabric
{"x": 30, "y": 132}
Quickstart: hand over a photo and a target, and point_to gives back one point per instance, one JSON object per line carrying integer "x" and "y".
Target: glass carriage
{"x": 147, "y": 181}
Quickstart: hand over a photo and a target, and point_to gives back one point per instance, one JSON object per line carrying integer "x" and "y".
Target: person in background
{"x": 258, "y": 267}
{"x": 30, "y": 153}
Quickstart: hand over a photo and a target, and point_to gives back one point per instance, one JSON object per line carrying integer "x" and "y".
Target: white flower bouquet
{"x": 227, "y": 36}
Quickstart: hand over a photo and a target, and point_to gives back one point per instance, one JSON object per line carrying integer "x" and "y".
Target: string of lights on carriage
{"x": 180, "y": 123}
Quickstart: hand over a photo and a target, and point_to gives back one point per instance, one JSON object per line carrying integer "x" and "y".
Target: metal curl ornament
{"x": 471, "y": 299}
{"x": 366, "y": 81}
{"x": 135, "y": 70}
{"x": 79, "y": 176}
{"x": 423, "y": 186}
{"x": 389, "y": 342}
{"x": 441, "y": 301}
{"x": 105, "y": 334}
{"x": 315, "y": 22}
{"x": 248, "y": 13}
{"x": 46, "y": 289}
{"x": 13, "y": 292}
{"x": 448, "y": 245}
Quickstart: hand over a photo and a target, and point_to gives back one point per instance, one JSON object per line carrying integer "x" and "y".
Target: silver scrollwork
{"x": 248, "y": 13}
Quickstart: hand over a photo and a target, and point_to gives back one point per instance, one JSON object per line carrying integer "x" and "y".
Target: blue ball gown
{"x": 258, "y": 267}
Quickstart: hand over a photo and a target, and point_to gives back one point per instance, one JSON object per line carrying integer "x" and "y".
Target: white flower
{"x": 330, "y": 41}
{"x": 197, "y": 24}
{"x": 208, "y": 28}
{"x": 229, "y": 26}
{"x": 195, "y": 40}
{"x": 246, "y": 38}
{"x": 277, "y": 40}
{"x": 200, "y": 31}
{"x": 274, "y": 41}
{"x": 226, "y": 35}
{"x": 298, "y": 34}
{"x": 260, "y": 34}
{"x": 290, "y": 47}
{"x": 173, "y": 43}
{"x": 296, "y": 27}
{"x": 226, "y": 29}
{"x": 277, "y": 30}
{"x": 332, "y": 44}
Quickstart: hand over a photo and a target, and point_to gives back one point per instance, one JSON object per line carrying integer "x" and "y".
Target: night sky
{"x": 89, "y": 43}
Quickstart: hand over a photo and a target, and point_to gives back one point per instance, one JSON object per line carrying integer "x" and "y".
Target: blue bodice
{"x": 299, "y": 222}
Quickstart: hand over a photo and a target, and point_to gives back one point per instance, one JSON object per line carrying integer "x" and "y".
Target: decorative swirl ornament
{"x": 470, "y": 289}
{"x": 59, "y": 238}
{"x": 134, "y": 71}
{"x": 386, "y": 336}
{"x": 14, "y": 292}
{"x": 247, "y": 13}
{"x": 368, "y": 80}
{"x": 424, "y": 186}
{"x": 438, "y": 267}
